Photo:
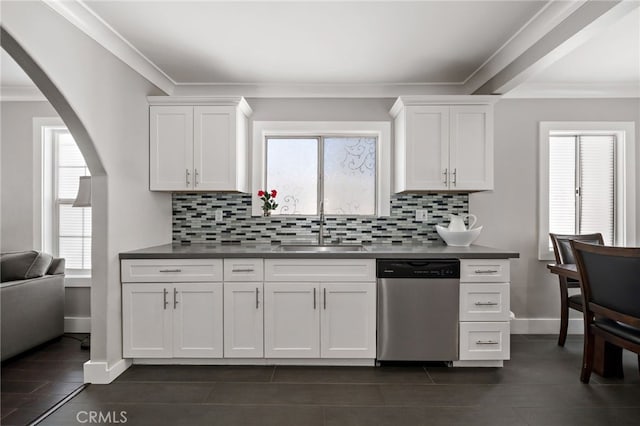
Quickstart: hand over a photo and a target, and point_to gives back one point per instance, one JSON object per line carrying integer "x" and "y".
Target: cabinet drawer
{"x": 170, "y": 270}
{"x": 484, "y": 302}
{"x": 320, "y": 270}
{"x": 484, "y": 341}
{"x": 243, "y": 270}
{"x": 484, "y": 270}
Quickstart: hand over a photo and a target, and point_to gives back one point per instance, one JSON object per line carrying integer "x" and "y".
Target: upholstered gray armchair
{"x": 32, "y": 300}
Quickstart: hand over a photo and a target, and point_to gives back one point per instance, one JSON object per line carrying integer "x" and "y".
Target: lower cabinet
{"x": 243, "y": 320}
{"x": 320, "y": 320}
{"x": 164, "y": 320}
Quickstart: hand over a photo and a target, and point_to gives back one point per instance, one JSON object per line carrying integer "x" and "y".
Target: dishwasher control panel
{"x": 418, "y": 268}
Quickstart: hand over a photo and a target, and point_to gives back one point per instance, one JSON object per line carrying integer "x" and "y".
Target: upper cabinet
{"x": 198, "y": 144}
{"x": 443, "y": 144}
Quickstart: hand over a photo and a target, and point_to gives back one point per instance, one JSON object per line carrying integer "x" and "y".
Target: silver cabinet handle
{"x": 324, "y": 291}
{"x": 195, "y": 177}
{"x": 446, "y": 174}
{"x": 257, "y": 299}
{"x": 455, "y": 177}
{"x": 171, "y": 270}
{"x": 486, "y": 303}
{"x": 242, "y": 270}
{"x": 175, "y": 297}
{"x": 486, "y": 271}
{"x": 486, "y": 342}
{"x": 164, "y": 298}
{"x": 188, "y": 175}
{"x": 314, "y": 298}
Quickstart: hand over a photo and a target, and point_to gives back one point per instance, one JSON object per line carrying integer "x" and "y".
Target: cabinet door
{"x": 215, "y": 154}
{"x": 291, "y": 320}
{"x": 243, "y": 320}
{"x": 426, "y": 157}
{"x": 197, "y": 320}
{"x": 348, "y": 320}
{"x": 471, "y": 147}
{"x": 146, "y": 320}
{"x": 171, "y": 148}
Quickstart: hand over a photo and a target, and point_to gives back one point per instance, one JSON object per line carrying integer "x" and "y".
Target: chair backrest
{"x": 609, "y": 277}
{"x": 562, "y": 245}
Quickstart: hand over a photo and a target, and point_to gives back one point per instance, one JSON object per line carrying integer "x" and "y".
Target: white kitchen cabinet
{"x": 443, "y": 144}
{"x": 201, "y": 147}
{"x": 311, "y": 313}
{"x": 165, "y": 320}
{"x": 348, "y": 320}
{"x": 172, "y": 308}
{"x": 243, "y": 308}
{"x": 484, "y": 310}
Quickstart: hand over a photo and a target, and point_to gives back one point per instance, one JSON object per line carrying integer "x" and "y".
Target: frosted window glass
{"x": 292, "y": 170}
{"x": 349, "y": 175}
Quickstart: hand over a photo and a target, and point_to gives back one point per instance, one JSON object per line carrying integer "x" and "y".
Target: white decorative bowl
{"x": 458, "y": 238}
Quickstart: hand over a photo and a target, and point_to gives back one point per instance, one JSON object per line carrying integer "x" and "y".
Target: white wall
{"x": 510, "y": 212}
{"x": 103, "y": 103}
{"x": 16, "y": 188}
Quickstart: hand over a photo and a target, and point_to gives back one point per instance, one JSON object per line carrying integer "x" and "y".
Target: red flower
{"x": 274, "y": 193}
{"x": 261, "y": 193}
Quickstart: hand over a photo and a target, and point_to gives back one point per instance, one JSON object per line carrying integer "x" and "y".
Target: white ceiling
{"x": 442, "y": 44}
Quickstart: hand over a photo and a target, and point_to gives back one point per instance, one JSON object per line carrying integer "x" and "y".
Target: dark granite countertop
{"x": 371, "y": 251}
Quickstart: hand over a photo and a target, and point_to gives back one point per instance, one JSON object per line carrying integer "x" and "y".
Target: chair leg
{"x": 564, "y": 315}
{"x": 587, "y": 357}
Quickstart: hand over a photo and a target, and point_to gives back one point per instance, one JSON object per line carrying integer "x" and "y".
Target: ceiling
{"x": 422, "y": 47}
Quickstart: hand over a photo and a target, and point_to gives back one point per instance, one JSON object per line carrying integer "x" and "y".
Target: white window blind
{"x": 72, "y": 225}
{"x": 582, "y": 184}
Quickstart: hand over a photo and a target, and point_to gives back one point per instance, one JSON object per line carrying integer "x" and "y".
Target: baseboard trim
{"x": 77, "y": 324}
{"x": 98, "y": 372}
{"x": 544, "y": 326}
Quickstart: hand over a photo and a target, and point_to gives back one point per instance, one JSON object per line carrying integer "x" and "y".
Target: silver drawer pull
{"x": 486, "y": 303}
{"x": 486, "y": 342}
{"x": 164, "y": 298}
{"x": 170, "y": 270}
{"x": 175, "y": 297}
{"x": 257, "y": 298}
{"x": 486, "y": 271}
{"x": 243, "y": 270}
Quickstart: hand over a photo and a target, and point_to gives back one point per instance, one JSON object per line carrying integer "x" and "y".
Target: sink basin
{"x": 322, "y": 248}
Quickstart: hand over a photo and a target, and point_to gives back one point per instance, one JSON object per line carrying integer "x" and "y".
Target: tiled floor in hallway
{"x": 539, "y": 386}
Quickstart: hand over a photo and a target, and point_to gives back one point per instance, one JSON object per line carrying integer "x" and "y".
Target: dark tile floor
{"x": 539, "y": 386}
{"x": 33, "y": 382}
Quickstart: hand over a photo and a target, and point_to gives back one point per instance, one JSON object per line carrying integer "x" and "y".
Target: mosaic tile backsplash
{"x": 194, "y": 221}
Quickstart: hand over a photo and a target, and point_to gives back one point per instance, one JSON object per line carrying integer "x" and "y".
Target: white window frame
{"x": 43, "y": 198}
{"x": 625, "y": 177}
{"x": 381, "y": 130}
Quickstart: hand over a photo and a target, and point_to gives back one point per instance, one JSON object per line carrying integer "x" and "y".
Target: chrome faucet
{"x": 321, "y": 227}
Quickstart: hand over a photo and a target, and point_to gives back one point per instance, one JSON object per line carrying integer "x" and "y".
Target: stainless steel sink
{"x": 322, "y": 248}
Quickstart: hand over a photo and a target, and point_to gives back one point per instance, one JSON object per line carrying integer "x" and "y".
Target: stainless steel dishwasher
{"x": 418, "y": 303}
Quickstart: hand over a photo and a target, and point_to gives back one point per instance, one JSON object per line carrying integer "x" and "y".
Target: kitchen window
{"x": 587, "y": 185}
{"x": 66, "y": 229}
{"x": 341, "y": 170}
{"x": 345, "y": 165}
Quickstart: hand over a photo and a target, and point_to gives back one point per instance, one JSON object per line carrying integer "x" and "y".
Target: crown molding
{"x": 21, "y": 94}
{"x": 316, "y": 90}
{"x": 574, "y": 90}
{"x": 80, "y": 15}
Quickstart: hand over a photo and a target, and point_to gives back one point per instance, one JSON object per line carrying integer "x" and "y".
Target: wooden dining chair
{"x": 563, "y": 253}
{"x": 610, "y": 283}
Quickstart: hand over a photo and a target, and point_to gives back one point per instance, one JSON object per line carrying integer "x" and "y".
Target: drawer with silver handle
{"x": 243, "y": 270}
{"x": 484, "y": 270}
{"x": 484, "y": 341}
{"x": 170, "y": 270}
{"x": 484, "y": 302}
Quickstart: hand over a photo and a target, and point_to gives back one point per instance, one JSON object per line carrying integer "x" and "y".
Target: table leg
{"x": 607, "y": 359}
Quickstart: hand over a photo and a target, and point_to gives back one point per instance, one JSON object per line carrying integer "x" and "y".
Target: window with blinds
{"x": 71, "y": 225}
{"x": 582, "y": 187}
